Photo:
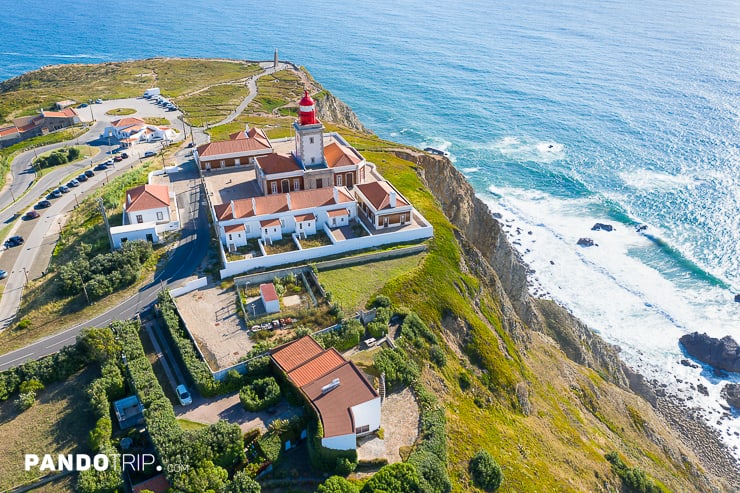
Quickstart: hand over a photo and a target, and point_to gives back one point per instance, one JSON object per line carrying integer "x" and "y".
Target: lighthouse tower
{"x": 309, "y": 135}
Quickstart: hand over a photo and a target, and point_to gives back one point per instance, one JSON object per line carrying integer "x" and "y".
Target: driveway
{"x": 229, "y": 408}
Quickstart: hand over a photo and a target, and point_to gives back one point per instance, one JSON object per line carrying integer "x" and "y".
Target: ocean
{"x": 560, "y": 114}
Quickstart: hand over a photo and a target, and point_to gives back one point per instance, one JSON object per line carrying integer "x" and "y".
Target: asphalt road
{"x": 185, "y": 258}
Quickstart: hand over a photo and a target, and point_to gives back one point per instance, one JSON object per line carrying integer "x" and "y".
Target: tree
{"x": 242, "y": 483}
{"x": 204, "y": 477}
{"x": 400, "y": 477}
{"x": 98, "y": 344}
{"x": 108, "y": 481}
{"x": 31, "y": 385}
{"x": 337, "y": 484}
{"x": 486, "y": 472}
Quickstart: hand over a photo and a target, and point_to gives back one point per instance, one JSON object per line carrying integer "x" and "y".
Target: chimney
{"x": 233, "y": 211}
{"x": 393, "y": 199}
{"x": 287, "y": 197}
{"x": 336, "y": 195}
{"x": 254, "y": 206}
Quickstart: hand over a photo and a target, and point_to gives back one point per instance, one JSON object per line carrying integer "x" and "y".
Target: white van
{"x": 154, "y": 91}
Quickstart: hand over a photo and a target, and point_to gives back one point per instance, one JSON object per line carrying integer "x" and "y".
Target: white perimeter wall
{"x": 341, "y": 442}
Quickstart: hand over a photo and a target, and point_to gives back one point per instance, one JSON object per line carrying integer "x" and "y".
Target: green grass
{"x": 86, "y": 152}
{"x": 214, "y": 104}
{"x": 188, "y": 425}
{"x": 156, "y": 120}
{"x": 57, "y": 424}
{"x": 352, "y": 287}
{"x": 276, "y": 90}
{"x": 120, "y": 111}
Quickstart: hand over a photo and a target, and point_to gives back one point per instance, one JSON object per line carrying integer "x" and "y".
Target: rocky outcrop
{"x": 332, "y": 109}
{"x": 731, "y": 393}
{"x": 585, "y": 242}
{"x": 507, "y": 270}
{"x": 723, "y": 354}
{"x": 602, "y": 227}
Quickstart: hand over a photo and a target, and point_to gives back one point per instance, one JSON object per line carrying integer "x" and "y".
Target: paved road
{"x": 186, "y": 257}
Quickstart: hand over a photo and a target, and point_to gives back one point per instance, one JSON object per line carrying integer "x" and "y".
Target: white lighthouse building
{"x": 309, "y": 135}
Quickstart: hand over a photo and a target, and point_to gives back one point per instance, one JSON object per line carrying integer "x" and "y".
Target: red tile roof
{"x": 271, "y": 204}
{"x": 336, "y": 155}
{"x": 290, "y": 356}
{"x": 223, "y": 211}
{"x": 268, "y": 293}
{"x": 234, "y": 228}
{"x": 308, "y": 199}
{"x": 239, "y": 142}
{"x": 65, "y": 113}
{"x": 338, "y": 213}
{"x": 316, "y": 367}
{"x": 305, "y": 217}
{"x": 8, "y": 130}
{"x": 379, "y": 194}
{"x": 334, "y": 406}
{"x": 147, "y": 197}
{"x": 277, "y": 163}
{"x": 269, "y": 222}
{"x": 127, "y": 122}
{"x": 157, "y": 484}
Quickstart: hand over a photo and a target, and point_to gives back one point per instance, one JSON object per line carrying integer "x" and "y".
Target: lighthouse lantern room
{"x": 309, "y": 142}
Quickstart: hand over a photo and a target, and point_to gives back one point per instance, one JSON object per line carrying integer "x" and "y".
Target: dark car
{"x": 89, "y": 173}
{"x": 101, "y": 167}
{"x": 118, "y": 159}
{"x": 32, "y": 215}
{"x": 3, "y": 274}
{"x": 14, "y": 241}
{"x": 191, "y": 144}
{"x": 43, "y": 204}
{"x": 82, "y": 177}
{"x": 124, "y": 155}
{"x": 83, "y": 105}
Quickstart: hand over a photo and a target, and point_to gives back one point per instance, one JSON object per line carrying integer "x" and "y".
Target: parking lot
{"x": 144, "y": 108}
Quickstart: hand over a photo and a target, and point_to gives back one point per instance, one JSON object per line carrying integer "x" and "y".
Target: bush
{"x": 108, "y": 481}
{"x": 31, "y": 385}
{"x": 401, "y": 477}
{"x": 24, "y": 324}
{"x": 26, "y": 400}
{"x": 326, "y": 459}
{"x": 381, "y": 301}
{"x": 260, "y": 394}
{"x": 242, "y": 483}
{"x": 337, "y": 484}
{"x": 397, "y": 366}
{"x": 271, "y": 445}
{"x": 345, "y": 467}
{"x": 432, "y": 470}
{"x": 485, "y": 471}
{"x": 345, "y": 337}
{"x": 46, "y": 370}
{"x": 413, "y": 327}
{"x": 633, "y": 479}
{"x": 377, "y": 329}
{"x": 437, "y": 356}
{"x": 101, "y": 433}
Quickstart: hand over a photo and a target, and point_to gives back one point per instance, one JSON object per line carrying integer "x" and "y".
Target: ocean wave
{"x": 644, "y": 179}
{"x": 527, "y": 149}
{"x": 470, "y": 169}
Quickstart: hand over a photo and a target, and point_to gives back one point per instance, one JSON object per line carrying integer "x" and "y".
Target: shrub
{"x": 401, "y": 477}
{"x": 397, "y": 366}
{"x": 432, "y": 472}
{"x": 26, "y": 400}
{"x": 381, "y": 301}
{"x": 260, "y": 394}
{"x": 94, "y": 481}
{"x": 485, "y": 471}
{"x": 322, "y": 458}
{"x": 101, "y": 433}
{"x": 345, "y": 467}
{"x": 437, "y": 356}
{"x": 337, "y": 484}
{"x": 46, "y": 370}
{"x": 242, "y": 483}
{"x": 413, "y": 327}
{"x": 24, "y": 324}
{"x": 377, "y": 329}
{"x": 271, "y": 445}
{"x": 345, "y": 337}
{"x": 31, "y": 385}
{"x": 633, "y": 479}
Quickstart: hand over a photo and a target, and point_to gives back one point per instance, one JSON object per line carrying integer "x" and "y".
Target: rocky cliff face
{"x": 508, "y": 272}
{"x": 332, "y": 109}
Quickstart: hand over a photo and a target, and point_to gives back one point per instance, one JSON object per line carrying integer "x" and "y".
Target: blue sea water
{"x": 560, "y": 114}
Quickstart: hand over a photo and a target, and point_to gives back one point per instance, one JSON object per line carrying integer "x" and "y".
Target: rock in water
{"x": 731, "y": 393}
{"x": 723, "y": 354}
{"x": 585, "y": 242}
{"x": 602, "y": 227}
{"x": 737, "y": 298}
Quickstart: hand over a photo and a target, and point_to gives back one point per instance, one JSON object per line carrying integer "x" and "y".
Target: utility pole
{"x": 26, "y": 273}
{"x": 84, "y": 287}
{"x": 105, "y": 221}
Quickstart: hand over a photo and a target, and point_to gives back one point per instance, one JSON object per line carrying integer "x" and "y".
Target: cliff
{"x": 332, "y": 109}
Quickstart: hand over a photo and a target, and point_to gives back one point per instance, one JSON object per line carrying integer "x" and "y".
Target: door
{"x": 385, "y": 222}
{"x": 319, "y": 182}
{"x": 139, "y": 218}
{"x": 350, "y": 179}
{"x": 285, "y": 186}
{"x": 149, "y": 238}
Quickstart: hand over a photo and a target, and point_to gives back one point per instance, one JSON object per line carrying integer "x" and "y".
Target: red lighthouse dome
{"x": 307, "y": 110}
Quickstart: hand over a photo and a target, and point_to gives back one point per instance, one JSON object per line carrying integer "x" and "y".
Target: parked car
{"x": 32, "y": 214}
{"x": 89, "y": 173}
{"x": 14, "y": 241}
{"x": 43, "y": 204}
{"x": 73, "y": 183}
{"x": 98, "y": 101}
{"x": 118, "y": 159}
{"x": 116, "y": 150}
{"x": 191, "y": 144}
{"x": 54, "y": 194}
{"x": 124, "y": 155}
{"x": 183, "y": 395}
{"x": 150, "y": 154}
{"x": 83, "y": 105}
{"x": 101, "y": 167}
{"x": 82, "y": 177}
{"x": 3, "y": 274}
{"x": 108, "y": 162}
{"x": 63, "y": 189}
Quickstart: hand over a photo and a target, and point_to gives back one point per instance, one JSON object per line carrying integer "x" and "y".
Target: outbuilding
{"x": 269, "y": 297}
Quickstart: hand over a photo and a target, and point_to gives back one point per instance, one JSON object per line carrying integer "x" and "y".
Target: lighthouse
{"x": 309, "y": 133}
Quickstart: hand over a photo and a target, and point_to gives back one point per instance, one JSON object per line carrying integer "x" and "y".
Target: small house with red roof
{"x": 240, "y": 150}
{"x": 345, "y": 403}
{"x": 148, "y": 203}
{"x": 131, "y": 130}
{"x": 382, "y": 205}
{"x": 269, "y": 297}
{"x": 25, "y": 127}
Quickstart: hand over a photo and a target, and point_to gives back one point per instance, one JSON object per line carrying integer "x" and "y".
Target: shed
{"x": 129, "y": 412}
{"x": 269, "y": 297}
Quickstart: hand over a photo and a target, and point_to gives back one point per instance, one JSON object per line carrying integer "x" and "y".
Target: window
{"x": 300, "y": 225}
{"x": 236, "y": 161}
{"x": 313, "y": 160}
{"x": 273, "y": 187}
{"x": 230, "y": 238}
{"x": 310, "y": 140}
{"x": 339, "y": 180}
{"x": 160, "y": 216}
{"x": 139, "y": 218}
{"x": 296, "y": 184}
{"x": 246, "y": 228}
{"x": 282, "y": 223}
{"x": 362, "y": 429}
{"x": 222, "y": 163}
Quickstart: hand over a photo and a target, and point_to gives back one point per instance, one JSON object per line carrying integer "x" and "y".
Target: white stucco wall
{"x": 271, "y": 306}
{"x": 133, "y": 232}
{"x": 367, "y": 413}
{"x": 341, "y": 442}
{"x": 149, "y": 215}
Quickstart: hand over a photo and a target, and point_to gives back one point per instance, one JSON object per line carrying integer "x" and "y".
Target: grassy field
{"x": 213, "y": 104}
{"x": 57, "y": 424}
{"x": 156, "y": 120}
{"x": 276, "y": 90}
{"x": 352, "y": 287}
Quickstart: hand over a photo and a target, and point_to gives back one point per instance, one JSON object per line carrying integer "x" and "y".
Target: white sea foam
{"x": 643, "y": 179}
{"x": 527, "y": 149}
{"x": 629, "y": 303}
{"x": 471, "y": 169}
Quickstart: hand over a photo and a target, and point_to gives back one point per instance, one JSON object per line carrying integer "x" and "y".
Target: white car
{"x": 183, "y": 395}
{"x": 150, "y": 154}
